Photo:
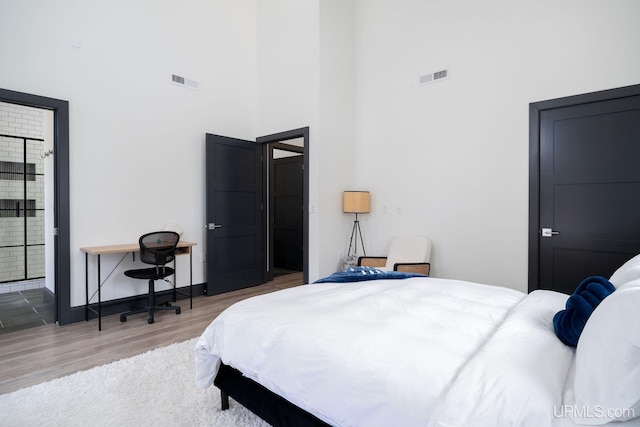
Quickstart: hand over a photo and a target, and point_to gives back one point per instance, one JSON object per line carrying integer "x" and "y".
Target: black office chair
{"x": 157, "y": 248}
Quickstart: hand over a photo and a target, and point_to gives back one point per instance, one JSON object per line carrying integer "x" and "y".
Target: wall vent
{"x": 185, "y": 82}
{"x": 433, "y": 77}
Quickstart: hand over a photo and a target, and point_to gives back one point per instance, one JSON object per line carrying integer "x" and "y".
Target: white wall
{"x": 337, "y": 128}
{"x": 305, "y": 75}
{"x": 136, "y": 139}
{"x": 453, "y": 156}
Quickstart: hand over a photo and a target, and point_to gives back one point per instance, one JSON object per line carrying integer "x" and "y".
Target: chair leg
{"x": 152, "y": 303}
{"x": 151, "y": 307}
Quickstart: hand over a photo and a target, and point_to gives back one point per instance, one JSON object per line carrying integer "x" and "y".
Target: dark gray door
{"x": 588, "y": 186}
{"x": 234, "y": 212}
{"x": 288, "y": 213}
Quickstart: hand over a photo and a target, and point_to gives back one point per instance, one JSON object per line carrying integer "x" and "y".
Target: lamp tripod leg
{"x": 353, "y": 233}
{"x": 364, "y": 251}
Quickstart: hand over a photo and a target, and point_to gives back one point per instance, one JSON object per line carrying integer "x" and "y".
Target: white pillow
{"x": 629, "y": 271}
{"x": 607, "y": 376}
{"x": 629, "y": 285}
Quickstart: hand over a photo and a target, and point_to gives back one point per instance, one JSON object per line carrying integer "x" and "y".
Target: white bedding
{"x": 412, "y": 352}
{"x": 518, "y": 376}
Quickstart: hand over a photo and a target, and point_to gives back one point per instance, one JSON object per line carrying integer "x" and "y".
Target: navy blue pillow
{"x": 570, "y": 322}
{"x": 361, "y": 273}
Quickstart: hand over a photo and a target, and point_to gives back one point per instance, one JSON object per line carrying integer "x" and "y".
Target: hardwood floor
{"x": 47, "y": 352}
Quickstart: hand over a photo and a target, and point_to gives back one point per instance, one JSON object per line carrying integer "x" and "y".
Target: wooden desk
{"x": 183, "y": 248}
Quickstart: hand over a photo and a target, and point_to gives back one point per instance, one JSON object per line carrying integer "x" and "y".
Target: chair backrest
{"x": 408, "y": 249}
{"x": 158, "y": 247}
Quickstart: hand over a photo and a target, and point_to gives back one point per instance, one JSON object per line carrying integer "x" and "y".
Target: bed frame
{"x": 272, "y": 408}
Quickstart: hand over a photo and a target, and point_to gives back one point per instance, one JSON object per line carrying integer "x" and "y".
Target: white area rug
{"x": 156, "y": 388}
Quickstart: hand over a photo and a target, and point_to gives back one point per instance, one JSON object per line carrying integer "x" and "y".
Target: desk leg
{"x": 86, "y": 287}
{"x": 191, "y": 278}
{"x": 99, "y": 298}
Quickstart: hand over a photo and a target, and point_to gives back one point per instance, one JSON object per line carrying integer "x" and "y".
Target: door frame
{"x": 61, "y": 215}
{"x": 535, "y": 112}
{"x": 281, "y": 137}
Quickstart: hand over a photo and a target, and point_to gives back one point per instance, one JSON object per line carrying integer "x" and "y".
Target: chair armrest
{"x": 372, "y": 261}
{"x": 413, "y": 267}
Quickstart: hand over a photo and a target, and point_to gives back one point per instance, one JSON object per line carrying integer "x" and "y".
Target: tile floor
{"x": 25, "y": 309}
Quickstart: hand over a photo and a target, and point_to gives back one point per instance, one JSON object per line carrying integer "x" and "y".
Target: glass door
{"x": 22, "y": 248}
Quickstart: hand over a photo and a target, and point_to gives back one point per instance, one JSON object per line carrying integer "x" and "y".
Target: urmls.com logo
{"x": 592, "y": 412}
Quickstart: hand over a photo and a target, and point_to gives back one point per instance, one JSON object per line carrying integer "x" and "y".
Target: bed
{"x": 423, "y": 351}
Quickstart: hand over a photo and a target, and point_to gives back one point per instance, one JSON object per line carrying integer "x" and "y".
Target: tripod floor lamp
{"x": 356, "y": 202}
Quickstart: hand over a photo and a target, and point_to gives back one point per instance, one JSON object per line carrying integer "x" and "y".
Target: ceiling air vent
{"x": 433, "y": 77}
{"x": 183, "y": 81}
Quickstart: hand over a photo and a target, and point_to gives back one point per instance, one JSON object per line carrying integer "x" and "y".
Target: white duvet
{"x": 412, "y": 352}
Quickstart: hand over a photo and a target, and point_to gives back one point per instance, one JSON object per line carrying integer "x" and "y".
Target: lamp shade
{"x": 356, "y": 202}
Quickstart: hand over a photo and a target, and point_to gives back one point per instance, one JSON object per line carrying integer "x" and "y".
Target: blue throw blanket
{"x": 359, "y": 274}
{"x": 569, "y": 323}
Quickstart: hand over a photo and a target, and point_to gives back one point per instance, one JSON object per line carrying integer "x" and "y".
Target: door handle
{"x": 212, "y": 226}
{"x": 548, "y": 232}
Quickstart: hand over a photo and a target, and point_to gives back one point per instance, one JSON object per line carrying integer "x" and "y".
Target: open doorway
{"x": 27, "y": 298}
{"x": 287, "y": 200}
{"x": 52, "y": 240}
{"x": 286, "y": 166}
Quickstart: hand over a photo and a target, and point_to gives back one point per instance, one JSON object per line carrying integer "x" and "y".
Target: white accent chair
{"x": 406, "y": 253}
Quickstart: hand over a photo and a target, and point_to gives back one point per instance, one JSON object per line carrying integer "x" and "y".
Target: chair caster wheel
{"x": 123, "y": 318}
{"x": 178, "y": 310}
{"x": 150, "y": 321}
